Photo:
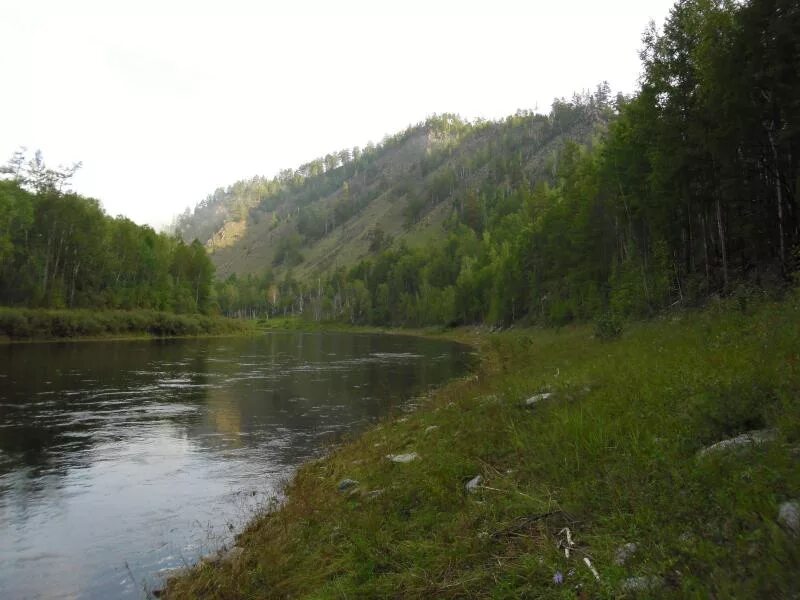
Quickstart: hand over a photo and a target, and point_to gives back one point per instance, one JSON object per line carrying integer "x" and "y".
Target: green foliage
{"x": 608, "y": 326}
{"x": 612, "y": 454}
{"x": 690, "y": 193}
{"x": 25, "y": 324}
{"x": 60, "y": 250}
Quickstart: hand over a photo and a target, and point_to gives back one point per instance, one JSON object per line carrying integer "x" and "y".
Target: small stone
{"x": 431, "y": 428}
{"x": 744, "y": 440}
{"x": 624, "y": 553}
{"x": 346, "y": 484}
{"x": 474, "y": 484}
{"x": 403, "y": 458}
{"x": 536, "y": 398}
{"x": 789, "y": 516}
{"x": 642, "y": 584}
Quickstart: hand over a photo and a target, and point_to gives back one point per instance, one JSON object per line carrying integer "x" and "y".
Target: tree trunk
{"x": 779, "y": 198}
{"x": 721, "y": 230}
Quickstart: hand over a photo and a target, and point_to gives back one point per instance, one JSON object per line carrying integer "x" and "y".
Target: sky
{"x": 163, "y": 101}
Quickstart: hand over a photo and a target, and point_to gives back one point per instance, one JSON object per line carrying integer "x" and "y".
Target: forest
{"x": 685, "y": 190}
{"x": 609, "y": 207}
{"x": 59, "y": 250}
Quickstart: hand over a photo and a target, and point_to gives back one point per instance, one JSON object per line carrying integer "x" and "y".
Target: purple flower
{"x": 558, "y": 578}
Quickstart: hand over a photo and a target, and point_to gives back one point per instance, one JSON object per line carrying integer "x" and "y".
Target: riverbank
{"x": 564, "y": 463}
{"x": 25, "y": 324}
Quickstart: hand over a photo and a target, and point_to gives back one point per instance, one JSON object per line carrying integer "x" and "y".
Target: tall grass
{"x": 612, "y": 455}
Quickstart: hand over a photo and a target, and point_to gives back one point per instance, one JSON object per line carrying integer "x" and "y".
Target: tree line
{"x": 60, "y": 250}
{"x": 689, "y": 192}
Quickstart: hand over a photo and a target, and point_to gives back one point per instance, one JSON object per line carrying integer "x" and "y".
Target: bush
{"x": 731, "y": 410}
{"x": 608, "y": 327}
{"x": 25, "y": 323}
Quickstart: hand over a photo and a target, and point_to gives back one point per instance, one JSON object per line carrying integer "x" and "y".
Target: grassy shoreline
{"x": 612, "y": 455}
{"x": 25, "y": 325}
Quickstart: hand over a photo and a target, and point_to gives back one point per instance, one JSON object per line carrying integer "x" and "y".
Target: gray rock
{"x": 403, "y": 458}
{"x": 744, "y": 440}
{"x": 643, "y": 583}
{"x": 346, "y": 484}
{"x": 789, "y": 516}
{"x": 536, "y": 398}
{"x": 624, "y": 553}
{"x": 474, "y": 484}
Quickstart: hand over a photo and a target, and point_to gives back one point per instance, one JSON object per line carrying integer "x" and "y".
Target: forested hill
{"x": 412, "y": 188}
{"x": 602, "y": 209}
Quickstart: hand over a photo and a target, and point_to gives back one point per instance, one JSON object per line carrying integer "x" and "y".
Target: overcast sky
{"x": 164, "y": 101}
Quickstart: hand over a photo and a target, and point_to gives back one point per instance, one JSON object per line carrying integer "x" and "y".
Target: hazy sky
{"x": 164, "y": 101}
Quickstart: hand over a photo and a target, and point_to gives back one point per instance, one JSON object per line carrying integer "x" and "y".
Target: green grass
{"x": 612, "y": 455}
{"x": 41, "y": 324}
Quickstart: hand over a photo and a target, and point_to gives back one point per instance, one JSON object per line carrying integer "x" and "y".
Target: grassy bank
{"x": 612, "y": 455}
{"x": 39, "y": 324}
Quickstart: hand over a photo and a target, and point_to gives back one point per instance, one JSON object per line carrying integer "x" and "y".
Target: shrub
{"x": 608, "y": 327}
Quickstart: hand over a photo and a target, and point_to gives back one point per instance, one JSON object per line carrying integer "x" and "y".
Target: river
{"x": 120, "y": 461}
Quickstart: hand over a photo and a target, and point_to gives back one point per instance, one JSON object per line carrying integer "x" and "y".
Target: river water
{"x": 122, "y": 460}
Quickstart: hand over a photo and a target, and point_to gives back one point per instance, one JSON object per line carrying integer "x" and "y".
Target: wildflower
{"x": 558, "y": 578}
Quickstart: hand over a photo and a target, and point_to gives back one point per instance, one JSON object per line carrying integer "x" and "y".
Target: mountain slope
{"x": 336, "y": 210}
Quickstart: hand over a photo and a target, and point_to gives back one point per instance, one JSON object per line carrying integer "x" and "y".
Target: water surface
{"x": 122, "y": 460}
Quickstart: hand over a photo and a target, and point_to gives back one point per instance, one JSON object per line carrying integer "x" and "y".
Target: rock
{"x": 744, "y": 440}
{"x": 403, "y": 458}
{"x": 346, "y": 484}
{"x": 431, "y": 428}
{"x": 536, "y": 398}
{"x": 789, "y": 516}
{"x": 474, "y": 484}
{"x": 624, "y": 553}
{"x": 642, "y": 584}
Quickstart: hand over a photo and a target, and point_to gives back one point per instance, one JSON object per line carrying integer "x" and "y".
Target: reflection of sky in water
{"x": 150, "y": 454}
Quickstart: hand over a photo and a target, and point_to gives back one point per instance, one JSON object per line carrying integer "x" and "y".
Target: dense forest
{"x": 688, "y": 191}
{"x": 60, "y": 250}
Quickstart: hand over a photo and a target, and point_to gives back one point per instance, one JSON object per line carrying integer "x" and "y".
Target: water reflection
{"x": 119, "y": 460}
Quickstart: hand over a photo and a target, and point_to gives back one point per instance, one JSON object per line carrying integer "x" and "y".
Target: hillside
{"x": 600, "y": 210}
{"x": 338, "y": 209}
